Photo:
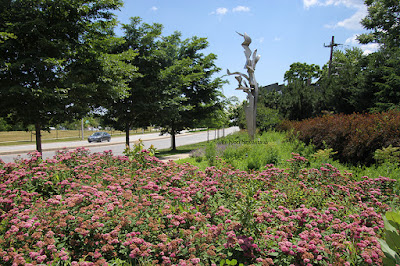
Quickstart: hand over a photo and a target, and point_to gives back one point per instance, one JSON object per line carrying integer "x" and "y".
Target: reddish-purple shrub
{"x": 355, "y": 137}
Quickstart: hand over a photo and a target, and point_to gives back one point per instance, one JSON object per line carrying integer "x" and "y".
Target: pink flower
{"x": 195, "y": 260}
{"x": 284, "y": 248}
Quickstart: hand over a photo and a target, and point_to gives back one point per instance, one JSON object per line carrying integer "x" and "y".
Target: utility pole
{"x": 331, "y": 45}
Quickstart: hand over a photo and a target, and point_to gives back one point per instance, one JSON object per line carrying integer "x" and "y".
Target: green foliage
{"x": 269, "y": 148}
{"x": 230, "y": 262}
{"x": 382, "y": 22}
{"x": 300, "y": 101}
{"x": 382, "y": 79}
{"x": 58, "y": 60}
{"x": 210, "y": 153}
{"x": 138, "y": 152}
{"x": 188, "y": 90}
{"x": 391, "y": 245}
{"x": 267, "y": 118}
{"x": 343, "y": 90}
{"x": 389, "y": 155}
{"x": 137, "y": 109}
{"x": 238, "y": 116}
{"x": 324, "y": 155}
{"x": 302, "y": 72}
{"x": 4, "y": 126}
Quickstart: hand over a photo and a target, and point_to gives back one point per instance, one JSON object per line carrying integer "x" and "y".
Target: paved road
{"x": 117, "y": 144}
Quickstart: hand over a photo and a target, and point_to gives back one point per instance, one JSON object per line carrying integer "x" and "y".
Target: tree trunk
{"x": 127, "y": 135}
{"x": 173, "y": 141}
{"x": 38, "y": 138}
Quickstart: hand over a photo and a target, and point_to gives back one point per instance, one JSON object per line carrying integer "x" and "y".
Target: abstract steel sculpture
{"x": 251, "y": 88}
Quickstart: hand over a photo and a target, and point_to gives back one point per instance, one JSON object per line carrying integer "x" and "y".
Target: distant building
{"x": 272, "y": 87}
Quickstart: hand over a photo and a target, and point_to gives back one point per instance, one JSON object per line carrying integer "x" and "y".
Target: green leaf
{"x": 394, "y": 219}
{"x": 231, "y": 262}
{"x": 389, "y": 253}
{"x": 222, "y": 262}
{"x": 393, "y": 240}
{"x": 388, "y": 224}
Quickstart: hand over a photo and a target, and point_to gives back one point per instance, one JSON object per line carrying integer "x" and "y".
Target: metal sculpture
{"x": 251, "y": 88}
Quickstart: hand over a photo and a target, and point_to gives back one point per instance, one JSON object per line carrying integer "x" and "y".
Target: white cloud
{"x": 370, "y": 48}
{"x": 351, "y": 23}
{"x": 154, "y": 8}
{"x": 220, "y": 11}
{"x": 277, "y": 39}
{"x": 310, "y": 3}
{"x": 367, "y": 48}
{"x": 346, "y": 3}
{"x": 241, "y": 9}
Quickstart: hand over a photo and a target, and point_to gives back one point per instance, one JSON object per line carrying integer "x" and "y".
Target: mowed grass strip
{"x": 23, "y": 137}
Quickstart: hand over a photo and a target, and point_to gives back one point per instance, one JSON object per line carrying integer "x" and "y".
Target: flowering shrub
{"x": 355, "y": 137}
{"x": 99, "y": 209}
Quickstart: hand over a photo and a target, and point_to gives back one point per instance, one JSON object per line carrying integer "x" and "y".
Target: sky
{"x": 282, "y": 31}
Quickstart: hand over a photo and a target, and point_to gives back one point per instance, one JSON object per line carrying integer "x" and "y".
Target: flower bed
{"x": 99, "y": 209}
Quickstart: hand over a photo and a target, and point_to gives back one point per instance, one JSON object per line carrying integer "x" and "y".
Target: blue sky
{"x": 282, "y": 31}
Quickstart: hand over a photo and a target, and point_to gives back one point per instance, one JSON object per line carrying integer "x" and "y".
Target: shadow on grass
{"x": 181, "y": 149}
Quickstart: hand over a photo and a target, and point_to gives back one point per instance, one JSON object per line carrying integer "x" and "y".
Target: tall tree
{"x": 300, "y": 98}
{"x": 382, "y": 74}
{"x": 383, "y": 20}
{"x": 302, "y": 72}
{"x": 189, "y": 91}
{"x": 381, "y": 87}
{"x": 342, "y": 90}
{"x": 53, "y": 40}
{"x": 138, "y": 109}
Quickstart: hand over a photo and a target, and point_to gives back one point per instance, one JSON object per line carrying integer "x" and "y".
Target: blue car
{"x": 99, "y": 137}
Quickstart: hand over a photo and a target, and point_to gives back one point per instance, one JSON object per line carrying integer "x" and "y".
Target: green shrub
{"x": 389, "y": 154}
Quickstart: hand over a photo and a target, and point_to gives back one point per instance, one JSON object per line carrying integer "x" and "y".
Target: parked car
{"x": 99, "y": 137}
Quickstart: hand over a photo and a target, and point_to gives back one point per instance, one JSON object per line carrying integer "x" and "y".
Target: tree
{"x": 342, "y": 90}
{"x": 382, "y": 76}
{"x": 300, "y": 98}
{"x": 268, "y": 106}
{"x": 267, "y": 118}
{"x": 384, "y": 20}
{"x": 54, "y": 42}
{"x": 138, "y": 108}
{"x": 302, "y": 72}
{"x": 381, "y": 90}
{"x": 189, "y": 92}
